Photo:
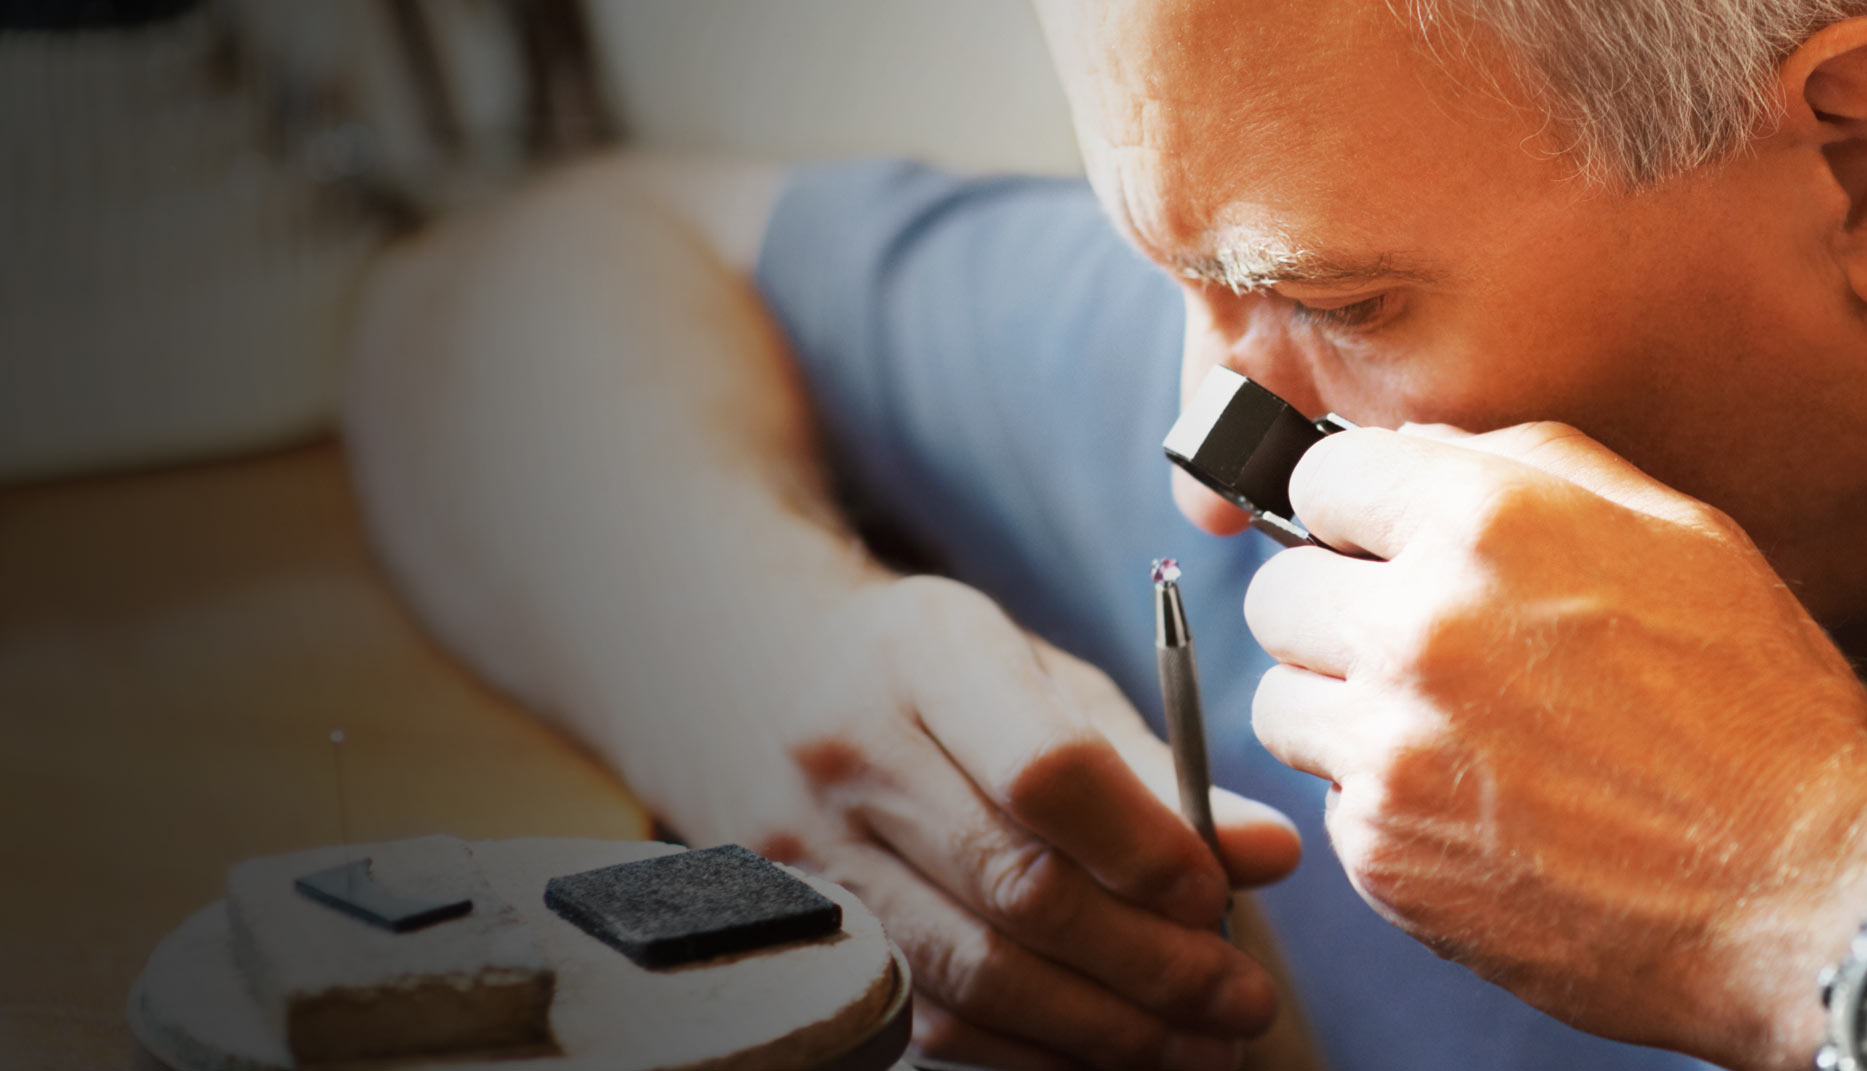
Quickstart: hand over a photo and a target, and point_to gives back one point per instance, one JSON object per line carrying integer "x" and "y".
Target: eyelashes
{"x": 1357, "y": 314}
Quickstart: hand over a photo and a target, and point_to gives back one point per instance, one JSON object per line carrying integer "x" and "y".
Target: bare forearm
{"x": 586, "y": 458}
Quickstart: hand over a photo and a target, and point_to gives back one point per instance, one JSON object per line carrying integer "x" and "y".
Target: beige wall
{"x": 961, "y": 82}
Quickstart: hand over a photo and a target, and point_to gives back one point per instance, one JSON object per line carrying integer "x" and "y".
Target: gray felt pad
{"x": 674, "y": 909}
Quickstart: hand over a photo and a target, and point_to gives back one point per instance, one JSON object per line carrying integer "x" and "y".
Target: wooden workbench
{"x": 175, "y": 648}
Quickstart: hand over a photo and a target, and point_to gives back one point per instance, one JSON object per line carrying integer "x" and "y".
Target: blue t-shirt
{"x": 994, "y": 370}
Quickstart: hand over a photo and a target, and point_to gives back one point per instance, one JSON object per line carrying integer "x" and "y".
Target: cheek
{"x": 1489, "y": 363}
{"x": 1441, "y": 364}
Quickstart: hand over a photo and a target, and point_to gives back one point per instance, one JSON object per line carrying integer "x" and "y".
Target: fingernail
{"x": 1243, "y": 1005}
{"x": 1200, "y": 1053}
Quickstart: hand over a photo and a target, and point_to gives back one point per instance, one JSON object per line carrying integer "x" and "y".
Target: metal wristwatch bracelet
{"x": 1844, "y": 987}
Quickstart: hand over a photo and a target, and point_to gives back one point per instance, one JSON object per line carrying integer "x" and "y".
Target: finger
{"x": 944, "y": 1041}
{"x": 1304, "y": 719}
{"x": 1038, "y": 897}
{"x": 1447, "y": 433}
{"x": 1003, "y": 721}
{"x": 1372, "y": 491}
{"x": 1258, "y": 843}
{"x": 1567, "y": 453}
{"x": 991, "y": 982}
{"x": 1305, "y": 607}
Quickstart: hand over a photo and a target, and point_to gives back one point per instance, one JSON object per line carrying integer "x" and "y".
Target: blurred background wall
{"x": 961, "y": 82}
{"x": 191, "y": 190}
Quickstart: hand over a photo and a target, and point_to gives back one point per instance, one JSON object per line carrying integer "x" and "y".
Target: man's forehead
{"x": 1198, "y": 61}
{"x": 1189, "y": 91}
{"x": 1251, "y": 143}
{"x": 1266, "y": 41}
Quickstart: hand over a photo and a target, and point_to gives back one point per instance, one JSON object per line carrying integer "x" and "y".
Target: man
{"x": 1583, "y": 729}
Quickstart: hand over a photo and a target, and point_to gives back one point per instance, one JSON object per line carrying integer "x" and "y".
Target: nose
{"x": 1250, "y": 335}
{"x": 1246, "y": 334}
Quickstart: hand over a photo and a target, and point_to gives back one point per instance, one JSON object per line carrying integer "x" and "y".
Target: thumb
{"x": 1258, "y": 844}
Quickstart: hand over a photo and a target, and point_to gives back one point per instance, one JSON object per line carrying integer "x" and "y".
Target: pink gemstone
{"x": 1165, "y": 570}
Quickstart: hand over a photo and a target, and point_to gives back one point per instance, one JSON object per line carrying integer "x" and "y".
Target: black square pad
{"x": 675, "y": 909}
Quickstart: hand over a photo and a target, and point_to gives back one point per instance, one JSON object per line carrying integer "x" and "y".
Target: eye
{"x": 1354, "y": 314}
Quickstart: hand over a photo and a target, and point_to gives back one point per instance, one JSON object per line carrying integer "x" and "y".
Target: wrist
{"x": 1796, "y": 1023}
{"x": 1784, "y": 937}
{"x": 752, "y": 634}
{"x": 1832, "y": 924}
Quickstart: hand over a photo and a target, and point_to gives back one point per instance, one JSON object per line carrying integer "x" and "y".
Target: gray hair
{"x": 1640, "y": 90}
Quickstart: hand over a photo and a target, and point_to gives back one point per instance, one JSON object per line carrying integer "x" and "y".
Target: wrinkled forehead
{"x": 1196, "y": 114}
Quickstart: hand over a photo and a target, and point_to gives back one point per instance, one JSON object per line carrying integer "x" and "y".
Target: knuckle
{"x": 939, "y": 1034}
{"x": 1545, "y": 444}
{"x": 1381, "y": 873}
{"x": 1276, "y": 583}
{"x": 1315, "y": 469}
{"x": 1704, "y": 517}
{"x": 1418, "y": 774}
{"x": 1445, "y": 645}
{"x": 938, "y": 967}
{"x": 1499, "y": 517}
{"x": 1276, "y": 712}
{"x": 921, "y": 589}
{"x": 851, "y": 866}
{"x": 918, "y": 622}
{"x": 1378, "y": 884}
{"x": 966, "y": 973}
{"x": 829, "y": 759}
{"x": 1025, "y": 888}
{"x": 1267, "y": 701}
{"x": 1354, "y": 833}
{"x": 1391, "y": 830}
{"x": 1417, "y": 746}
{"x": 1431, "y": 643}
{"x": 848, "y": 752}
{"x": 925, "y": 597}
{"x": 1537, "y": 436}
{"x": 1184, "y": 976}
{"x": 847, "y": 771}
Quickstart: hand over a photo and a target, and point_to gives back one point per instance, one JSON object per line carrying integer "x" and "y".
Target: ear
{"x": 1823, "y": 86}
{"x": 1825, "y": 79}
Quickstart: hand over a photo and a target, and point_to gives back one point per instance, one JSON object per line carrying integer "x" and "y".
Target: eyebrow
{"x": 1250, "y": 265}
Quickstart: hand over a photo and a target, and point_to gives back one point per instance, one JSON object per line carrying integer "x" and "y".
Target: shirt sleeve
{"x": 994, "y": 369}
